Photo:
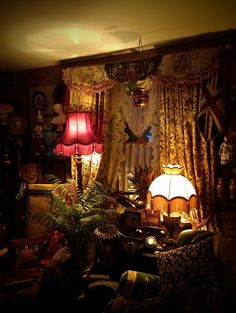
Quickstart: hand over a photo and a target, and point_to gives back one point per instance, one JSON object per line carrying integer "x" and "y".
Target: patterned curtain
{"x": 181, "y": 80}
{"x": 88, "y": 89}
{"x": 182, "y": 113}
{"x": 111, "y": 168}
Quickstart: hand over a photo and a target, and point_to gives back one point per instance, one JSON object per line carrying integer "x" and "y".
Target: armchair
{"x": 20, "y": 272}
{"x": 22, "y": 266}
{"x": 197, "y": 276}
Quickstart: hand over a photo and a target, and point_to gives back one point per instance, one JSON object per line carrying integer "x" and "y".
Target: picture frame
{"x": 31, "y": 173}
{"x": 39, "y": 100}
{"x": 133, "y": 220}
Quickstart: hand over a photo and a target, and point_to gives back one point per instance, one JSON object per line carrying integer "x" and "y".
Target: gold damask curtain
{"x": 88, "y": 92}
{"x": 180, "y": 82}
{"x": 84, "y": 84}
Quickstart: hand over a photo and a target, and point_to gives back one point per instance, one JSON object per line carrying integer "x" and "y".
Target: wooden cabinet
{"x": 35, "y": 203}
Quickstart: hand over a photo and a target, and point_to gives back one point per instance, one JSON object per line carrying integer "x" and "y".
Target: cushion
{"x": 138, "y": 285}
{"x": 26, "y": 251}
{"x": 137, "y": 292}
{"x": 55, "y": 240}
{"x": 189, "y": 276}
{"x": 188, "y": 236}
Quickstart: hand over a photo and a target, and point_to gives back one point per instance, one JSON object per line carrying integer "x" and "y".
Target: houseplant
{"x": 140, "y": 179}
{"x": 77, "y": 214}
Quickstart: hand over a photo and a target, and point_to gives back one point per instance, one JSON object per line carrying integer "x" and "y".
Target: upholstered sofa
{"x": 199, "y": 275}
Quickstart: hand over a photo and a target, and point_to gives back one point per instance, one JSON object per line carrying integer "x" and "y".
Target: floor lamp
{"x": 79, "y": 139}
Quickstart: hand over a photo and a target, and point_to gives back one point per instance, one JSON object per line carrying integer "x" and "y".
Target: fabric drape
{"x": 176, "y": 101}
{"x": 180, "y": 99}
{"x": 113, "y": 168}
{"x": 87, "y": 92}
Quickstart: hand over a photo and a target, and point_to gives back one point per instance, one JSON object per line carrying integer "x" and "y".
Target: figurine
{"x": 225, "y": 151}
{"x": 60, "y": 118}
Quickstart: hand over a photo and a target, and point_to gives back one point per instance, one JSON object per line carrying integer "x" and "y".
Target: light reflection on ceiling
{"x": 38, "y": 34}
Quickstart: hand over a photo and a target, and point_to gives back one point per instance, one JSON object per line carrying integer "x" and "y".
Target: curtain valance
{"x": 86, "y": 84}
{"x": 87, "y": 80}
{"x": 186, "y": 68}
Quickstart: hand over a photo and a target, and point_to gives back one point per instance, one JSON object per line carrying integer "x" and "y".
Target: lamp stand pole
{"x": 168, "y": 209}
{"x": 79, "y": 165}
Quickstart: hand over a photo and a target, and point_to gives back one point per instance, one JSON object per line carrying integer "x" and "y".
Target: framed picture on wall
{"x": 39, "y": 100}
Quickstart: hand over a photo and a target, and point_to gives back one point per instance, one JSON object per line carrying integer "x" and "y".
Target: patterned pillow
{"x": 138, "y": 285}
{"x": 55, "y": 240}
{"x": 189, "y": 276}
{"x": 25, "y": 251}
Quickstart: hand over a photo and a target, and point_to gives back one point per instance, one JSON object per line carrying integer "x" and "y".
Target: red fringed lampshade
{"x": 79, "y": 137}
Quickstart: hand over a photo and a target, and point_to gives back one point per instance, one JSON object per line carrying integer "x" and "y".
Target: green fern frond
{"x": 141, "y": 178}
{"x": 74, "y": 212}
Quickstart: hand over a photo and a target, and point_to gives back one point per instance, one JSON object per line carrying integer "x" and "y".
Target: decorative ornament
{"x": 133, "y": 72}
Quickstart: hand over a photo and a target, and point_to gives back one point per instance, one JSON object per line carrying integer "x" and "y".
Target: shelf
{"x": 46, "y": 157}
{"x": 38, "y": 188}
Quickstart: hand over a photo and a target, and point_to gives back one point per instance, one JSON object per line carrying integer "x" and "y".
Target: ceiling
{"x": 35, "y": 34}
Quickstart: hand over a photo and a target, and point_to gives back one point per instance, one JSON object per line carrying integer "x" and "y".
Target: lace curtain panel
{"x": 121, "y": 156}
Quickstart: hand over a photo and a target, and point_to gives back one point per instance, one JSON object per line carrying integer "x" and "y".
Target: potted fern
{"x": 79, "y": 215}
{"x": 140, "y": 180}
